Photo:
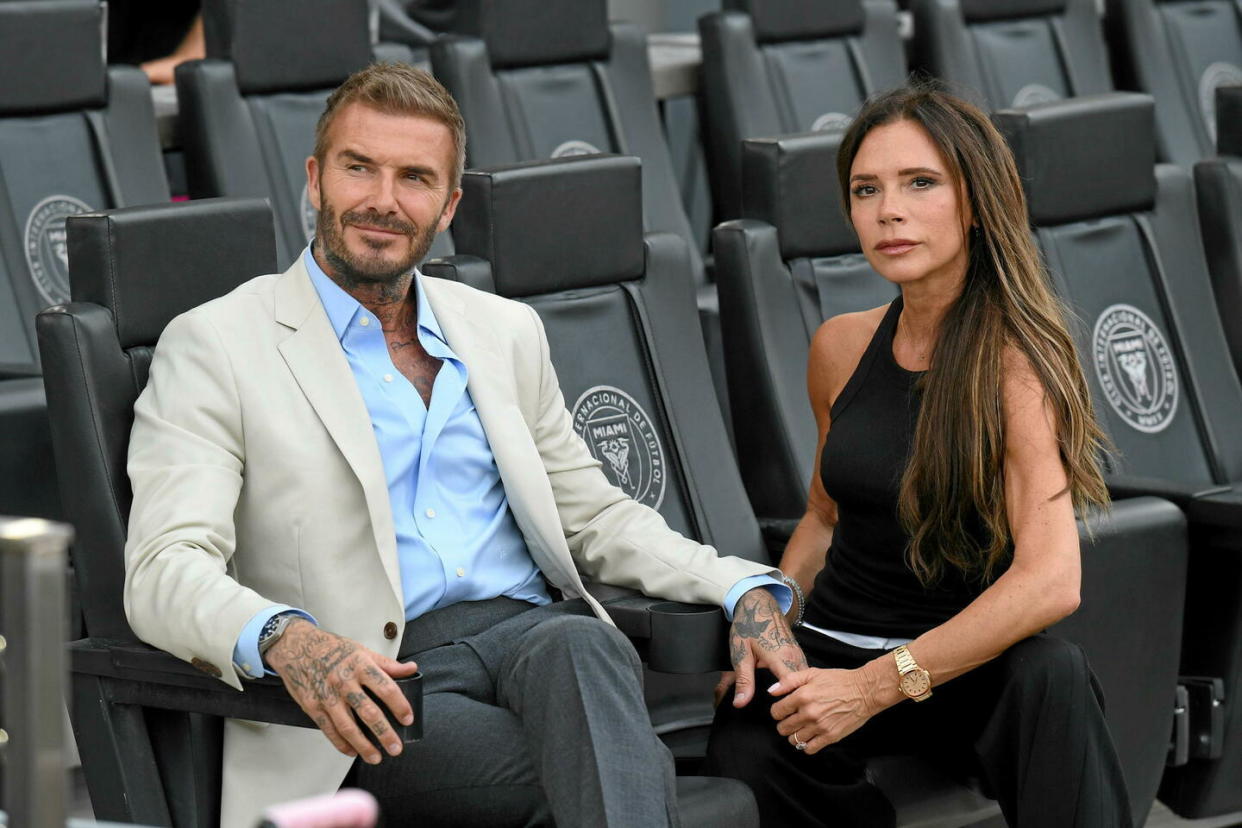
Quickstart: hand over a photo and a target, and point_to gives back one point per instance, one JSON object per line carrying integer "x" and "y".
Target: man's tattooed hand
{"x": 760, "y": 637}
{"x": 325, "y": 674}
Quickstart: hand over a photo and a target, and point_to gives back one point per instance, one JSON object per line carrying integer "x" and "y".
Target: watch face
{"x": 915, "y": 683}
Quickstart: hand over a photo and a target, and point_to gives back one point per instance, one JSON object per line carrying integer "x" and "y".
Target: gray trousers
{"x": 532, "y": 716}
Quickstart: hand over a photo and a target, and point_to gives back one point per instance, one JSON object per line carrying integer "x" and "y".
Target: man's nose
{"x": 383, "y": 195}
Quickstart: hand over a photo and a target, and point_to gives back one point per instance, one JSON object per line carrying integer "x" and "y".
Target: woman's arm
{"x": 1040, "y": 587}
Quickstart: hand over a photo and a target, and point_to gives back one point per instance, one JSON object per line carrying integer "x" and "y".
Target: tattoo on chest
{"x": 415, "y": 364}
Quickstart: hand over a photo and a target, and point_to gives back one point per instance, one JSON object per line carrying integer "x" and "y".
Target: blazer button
{"x": 206, "y": 666}
{"x": 390, "y": 630}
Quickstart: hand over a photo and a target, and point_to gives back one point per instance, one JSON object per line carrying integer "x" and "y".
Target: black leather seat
{"x": 793, "y": 263}
{"x": 1126, "y": 255}
{"x": 1178, "y": 51}
{"x": 1218, "y": 183}
{"x": 1012, "y": 52}
{"x": 551, "y": 78}
{"x": 248, "y": 112}
{"x": 775, "y": 67}
{"x": 74, "y": 136}
{"x": 147, "y": 724}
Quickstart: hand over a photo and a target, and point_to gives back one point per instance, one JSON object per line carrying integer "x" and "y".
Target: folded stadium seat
{"x": 148, "y": 724}
{"x": 549, "y": 79}
{"x": 1178, "y": 51}
{"x": 1218, "y": 183}
{"x": 1121, "y": 239}
{"x": 1012, "y": 52}
{"x": 793, "y": 263}
{"x": 248, "y": 112}
{"x": 775, "y": 67}
{"x": 74, "y": 136}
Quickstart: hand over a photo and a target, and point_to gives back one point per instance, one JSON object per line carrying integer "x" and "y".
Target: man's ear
{"x": 450, "y": 209}
{"x": 312, "y": 180}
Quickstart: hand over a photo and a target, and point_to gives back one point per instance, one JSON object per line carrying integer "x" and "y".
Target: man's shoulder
{"x": 239, "y": 306}
{"x": 476, "y": 302}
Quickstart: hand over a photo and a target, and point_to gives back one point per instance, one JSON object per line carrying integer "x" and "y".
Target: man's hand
{"x": 760, "y": 637}
{"x": 325, "y": 674}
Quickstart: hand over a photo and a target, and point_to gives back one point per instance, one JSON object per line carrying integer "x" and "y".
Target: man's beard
{"x": 355, "y": 269}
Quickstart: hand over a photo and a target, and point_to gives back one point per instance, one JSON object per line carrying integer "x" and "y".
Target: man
{"x": 327, "y": 456}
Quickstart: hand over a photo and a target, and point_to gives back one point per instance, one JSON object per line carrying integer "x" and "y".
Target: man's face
{"x": 383, "y": 191}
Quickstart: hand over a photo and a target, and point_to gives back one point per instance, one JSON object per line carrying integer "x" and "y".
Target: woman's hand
{"x": 822, "y": 707}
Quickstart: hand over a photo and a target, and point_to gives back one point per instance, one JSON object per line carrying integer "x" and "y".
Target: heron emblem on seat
{"x": 1217, "y": 74}
{"x": 47, "y": 248}
{"x": 570, "y": 149}
{"x": 621, "y": 435}
{"x": 1135, "y": 368}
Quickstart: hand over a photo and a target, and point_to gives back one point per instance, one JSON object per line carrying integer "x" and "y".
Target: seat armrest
{"x": 670, "y": 636}
{"x": 776, "y": 534}
{"x": 138, "y": 674}
{"x": 1122, "y": 486}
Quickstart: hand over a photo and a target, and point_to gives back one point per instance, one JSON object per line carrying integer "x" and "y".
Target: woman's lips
{"x": 896, "y": 247}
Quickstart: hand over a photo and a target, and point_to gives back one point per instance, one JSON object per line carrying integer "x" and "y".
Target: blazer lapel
{"x": 318, "y": 364}
{"x": 517, "y": 459}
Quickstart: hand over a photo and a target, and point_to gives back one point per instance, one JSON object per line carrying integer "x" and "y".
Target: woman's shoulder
{"x": 838, "y": 346}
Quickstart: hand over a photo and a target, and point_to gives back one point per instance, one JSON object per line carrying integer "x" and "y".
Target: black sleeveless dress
{"x": 866, "y": 586}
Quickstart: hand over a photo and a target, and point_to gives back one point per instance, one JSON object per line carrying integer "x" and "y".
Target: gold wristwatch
{"x": 913, "y": 680}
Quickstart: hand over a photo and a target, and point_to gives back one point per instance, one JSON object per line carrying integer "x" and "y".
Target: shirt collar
{"x": 343, "y": 309}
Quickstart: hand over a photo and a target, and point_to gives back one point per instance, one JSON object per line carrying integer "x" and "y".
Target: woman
{"x": 956, "y": 439}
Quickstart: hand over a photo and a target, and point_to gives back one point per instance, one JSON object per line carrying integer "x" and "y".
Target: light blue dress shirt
{"x": 456, "y": 538}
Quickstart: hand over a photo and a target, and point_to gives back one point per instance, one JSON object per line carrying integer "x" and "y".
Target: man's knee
{"x": 582, "y": 638}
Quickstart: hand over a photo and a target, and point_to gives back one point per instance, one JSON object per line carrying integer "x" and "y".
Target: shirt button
{"x": 390, "y": 630}
{"x": 430, "y": 513}
{"x": 364, "y": 321}
{"x": 387, "y": 377}
{"x": 246, "y": 667}
{"x": 461, "y": 572}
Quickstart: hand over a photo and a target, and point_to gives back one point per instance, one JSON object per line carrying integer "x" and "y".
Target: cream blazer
{"x": 257, "y": 479}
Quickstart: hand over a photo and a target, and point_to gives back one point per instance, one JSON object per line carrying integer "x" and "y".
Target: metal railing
{"x": 32, "y": 671}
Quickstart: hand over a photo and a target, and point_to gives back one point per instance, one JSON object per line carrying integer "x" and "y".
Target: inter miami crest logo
{"x": 47, "y": 248}
{"x": 310, "y": 216}
{"x": 572, "y": 148}
{"x": 1135, "y": 368}
{"x": 622, "y": 437}
{"x": 1217, "y": 74}
{"x": 1034, "y": 93}
{"x": 831, "y": 122}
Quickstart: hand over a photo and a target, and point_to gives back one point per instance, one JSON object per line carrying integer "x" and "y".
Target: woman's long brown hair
{"x": 954, "y": 483}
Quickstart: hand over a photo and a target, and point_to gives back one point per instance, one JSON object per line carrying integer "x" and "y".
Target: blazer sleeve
{"x": 612, "y": 538}
{"x": 186, "y": 461}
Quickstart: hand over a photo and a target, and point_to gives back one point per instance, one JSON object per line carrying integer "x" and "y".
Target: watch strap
{"x": 274, "y": 629}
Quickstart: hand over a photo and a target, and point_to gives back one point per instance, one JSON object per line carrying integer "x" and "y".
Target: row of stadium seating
{"x": 74, "y": 137}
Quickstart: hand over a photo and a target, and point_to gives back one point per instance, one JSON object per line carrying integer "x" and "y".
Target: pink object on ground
{"x": 349, "y": 808}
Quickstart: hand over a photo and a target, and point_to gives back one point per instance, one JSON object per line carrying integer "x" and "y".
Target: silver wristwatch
{"x": 273, "y": 630}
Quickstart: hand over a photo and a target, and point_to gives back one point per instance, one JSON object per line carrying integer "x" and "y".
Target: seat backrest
{"x": 793, "y": 262}
{"x": 1218, "y": 185}
{"x": 775, "y": 67}
{"x": 542, "y": 79}
{"x": 248, "y": 112}
{"x": 132, "y": 271}
{"x": 1125, "y": 254}
{"x": 566, "y": 237}
{"x": 75, "y": 137}
{"x": 1179, "y": 52}
{"x": 1013, "y": 52}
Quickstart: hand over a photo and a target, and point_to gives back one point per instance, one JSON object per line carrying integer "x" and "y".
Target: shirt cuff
{"x": 246, "y": 658}
{"x": 782, "y": 593}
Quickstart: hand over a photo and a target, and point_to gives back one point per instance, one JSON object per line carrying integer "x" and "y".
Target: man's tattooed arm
{"x": 325, "y": 674}
{"x": 760, "y": 637}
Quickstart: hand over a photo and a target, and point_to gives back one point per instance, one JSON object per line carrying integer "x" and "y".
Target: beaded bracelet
{"x": 798, "y": 596}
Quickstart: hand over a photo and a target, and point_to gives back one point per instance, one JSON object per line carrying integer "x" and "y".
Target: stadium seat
{"x": 147, "y": 724}
{"x": 1178, "y": 51}
{"x": 248, "y": 112}
{"x": 1012, "y": 52}
{"x": 1121, "y": 239}
{"x": 542, "y": 79}
{"x": 795, "y": 262}
{"x": 74, "y": 136}
{"x": 775, "y": 67}
{"x": 1218, "y": 183}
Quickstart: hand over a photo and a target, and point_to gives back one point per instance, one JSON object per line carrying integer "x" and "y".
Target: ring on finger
{"x": 798, "y": 743}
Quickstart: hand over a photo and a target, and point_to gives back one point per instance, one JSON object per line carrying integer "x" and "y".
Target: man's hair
{"x": 396, "y": 89}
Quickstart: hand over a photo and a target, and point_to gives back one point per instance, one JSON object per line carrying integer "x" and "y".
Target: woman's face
{"x": 910, "y": 213}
